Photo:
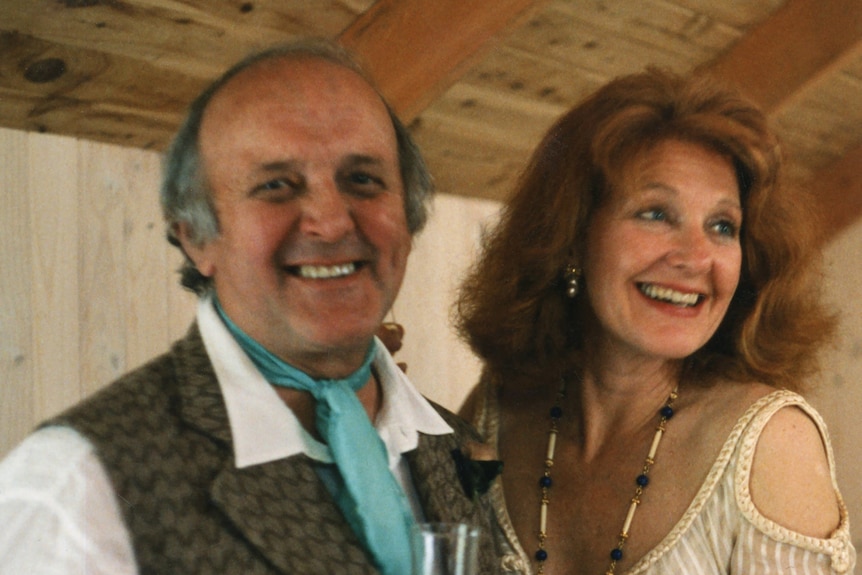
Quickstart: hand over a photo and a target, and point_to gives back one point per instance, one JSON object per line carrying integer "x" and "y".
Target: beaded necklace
{"x": 642, "y": 480}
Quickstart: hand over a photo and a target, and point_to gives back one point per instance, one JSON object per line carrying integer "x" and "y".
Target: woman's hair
{"x": 185, "y": 193}
{"x": 512, "y": 308}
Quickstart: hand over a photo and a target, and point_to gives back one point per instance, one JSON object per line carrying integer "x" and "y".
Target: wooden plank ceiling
{"x": 478, "y": 81}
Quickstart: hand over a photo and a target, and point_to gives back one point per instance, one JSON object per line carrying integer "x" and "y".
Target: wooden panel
{"x": 98, "y": 96}
{"x": 102, "y": 262}
{"x": 478, "y": 135}
{"x": 610, "y": 39}
{"x": 468, "y": 166}
{"x": 145, "y": 258}
{"x": 659, "y": 26}
{"x": 16, "y": 352}
{"x": 198, "y": 38}
{"x": 512, "y": 72}
{"x": 124, "y": 73}
{"x": 739, "y": 14}
{"x": 53, "y": 195}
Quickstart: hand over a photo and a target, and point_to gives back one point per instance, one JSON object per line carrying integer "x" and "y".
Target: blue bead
{"x": 642, "y": 480}
{"x": 545, "y": 481}
{"x": 617, "y": 554}
{"x": 541, "y": 555}
{"x": 666, "y": 412}
{"x": 556, "y": 412}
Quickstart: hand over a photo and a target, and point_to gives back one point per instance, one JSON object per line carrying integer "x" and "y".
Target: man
{"x": 248, "y": 448}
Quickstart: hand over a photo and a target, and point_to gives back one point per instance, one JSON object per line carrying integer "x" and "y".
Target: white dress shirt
{"x": 58, "y": 511}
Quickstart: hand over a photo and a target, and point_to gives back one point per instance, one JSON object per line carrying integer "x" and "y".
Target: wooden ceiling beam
{"x": 794, "y": 49}
{"x": 779, "y": 61}
{"x": 416, "y": 49}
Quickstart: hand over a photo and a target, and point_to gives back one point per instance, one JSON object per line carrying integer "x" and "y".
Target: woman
{"x": 643, "y": 309}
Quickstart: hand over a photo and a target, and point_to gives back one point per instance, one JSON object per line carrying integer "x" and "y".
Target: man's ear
{"x": 197, "y": 252}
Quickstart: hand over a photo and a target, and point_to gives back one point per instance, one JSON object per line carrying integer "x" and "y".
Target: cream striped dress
{"x": 721, "y": 532}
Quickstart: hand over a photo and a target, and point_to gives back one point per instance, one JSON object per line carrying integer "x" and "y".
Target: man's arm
{"x": 58, "y": 511}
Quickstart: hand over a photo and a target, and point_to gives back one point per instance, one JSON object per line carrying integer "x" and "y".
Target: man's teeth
{"x": 669, "y": 295}
{"x": 326, "y": 272}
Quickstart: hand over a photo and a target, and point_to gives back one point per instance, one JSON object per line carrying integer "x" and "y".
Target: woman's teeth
{"x": 325, "y": 272}
{"x": 669, "y": 295}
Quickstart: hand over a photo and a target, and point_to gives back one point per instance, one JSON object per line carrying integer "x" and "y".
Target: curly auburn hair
{"x": 512, "y": 307}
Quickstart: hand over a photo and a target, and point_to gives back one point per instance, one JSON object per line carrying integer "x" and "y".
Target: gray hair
{"x": 185, "y": 193}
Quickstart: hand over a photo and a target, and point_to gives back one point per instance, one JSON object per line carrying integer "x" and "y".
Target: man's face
{"x": 302, "y": 160}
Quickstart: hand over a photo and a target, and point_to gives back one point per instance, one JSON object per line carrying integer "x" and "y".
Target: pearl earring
{"x": 572, "y": 276}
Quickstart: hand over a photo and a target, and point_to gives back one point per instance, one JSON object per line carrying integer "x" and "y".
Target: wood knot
{"x": 45, "y": 70}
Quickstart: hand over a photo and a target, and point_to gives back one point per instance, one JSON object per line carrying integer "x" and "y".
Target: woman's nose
{"x": 692, "y": 250}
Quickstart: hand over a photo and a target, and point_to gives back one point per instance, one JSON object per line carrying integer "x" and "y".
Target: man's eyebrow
{"x": 279, "y": 166}
{"x": 362, "y": 159}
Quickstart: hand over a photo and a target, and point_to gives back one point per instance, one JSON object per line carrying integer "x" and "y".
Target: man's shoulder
{"x": 144, "y": 387}
{"x": 462, "y": 428}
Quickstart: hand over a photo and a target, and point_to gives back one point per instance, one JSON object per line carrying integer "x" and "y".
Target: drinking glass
{"x": 445, "y": 549}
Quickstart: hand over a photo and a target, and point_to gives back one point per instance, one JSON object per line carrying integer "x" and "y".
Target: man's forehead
{"x": 290, "y": 113}
{"x": 293, "y": 84}
{"x": 302, "y": 73}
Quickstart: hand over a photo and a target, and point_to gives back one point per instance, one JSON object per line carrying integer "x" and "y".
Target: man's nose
{"x": 326, "y": 212}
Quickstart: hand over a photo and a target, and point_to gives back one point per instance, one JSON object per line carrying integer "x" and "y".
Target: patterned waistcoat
{"x": 162, "y": 434}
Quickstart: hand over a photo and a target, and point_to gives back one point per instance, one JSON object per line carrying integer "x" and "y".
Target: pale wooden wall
{"x": 839, "y": 397}
{"x": 88, "y": 290}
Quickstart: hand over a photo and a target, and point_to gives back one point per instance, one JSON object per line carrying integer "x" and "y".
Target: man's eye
{"x": 276, "y": 184}
{"x": 363, "y": 183}
{"x": 275, "y": 190}
{"x": 364, "y": 179}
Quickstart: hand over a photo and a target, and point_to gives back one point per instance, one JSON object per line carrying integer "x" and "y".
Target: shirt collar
{"x": 264, "y": 429}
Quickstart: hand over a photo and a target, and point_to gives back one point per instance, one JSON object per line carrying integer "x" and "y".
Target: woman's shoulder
{"x": 784, "y": 470}
{"x": 716, "y": 412}
{"x": 777, "y": 458}
{"x": 730, "y": 398}
{"x": 787, "y": 470}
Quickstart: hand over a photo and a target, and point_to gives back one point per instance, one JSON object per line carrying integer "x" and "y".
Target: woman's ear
{"x": 198, "y": 252}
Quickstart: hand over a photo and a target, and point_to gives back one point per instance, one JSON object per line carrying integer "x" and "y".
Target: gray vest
{"x": 162, "y": 434}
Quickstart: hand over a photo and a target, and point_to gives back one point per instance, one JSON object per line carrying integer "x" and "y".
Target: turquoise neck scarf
{"x": 373, "y": 503}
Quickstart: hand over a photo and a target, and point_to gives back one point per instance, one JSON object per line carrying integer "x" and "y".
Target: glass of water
{"x": 445, "y": 549}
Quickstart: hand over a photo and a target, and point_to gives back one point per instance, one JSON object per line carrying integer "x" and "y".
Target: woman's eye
{"x": 726, "y": 228}
{"x": 653, "y": 214}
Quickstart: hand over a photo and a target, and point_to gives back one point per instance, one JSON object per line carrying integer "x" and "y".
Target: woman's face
{"x": 662, "y": 257}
